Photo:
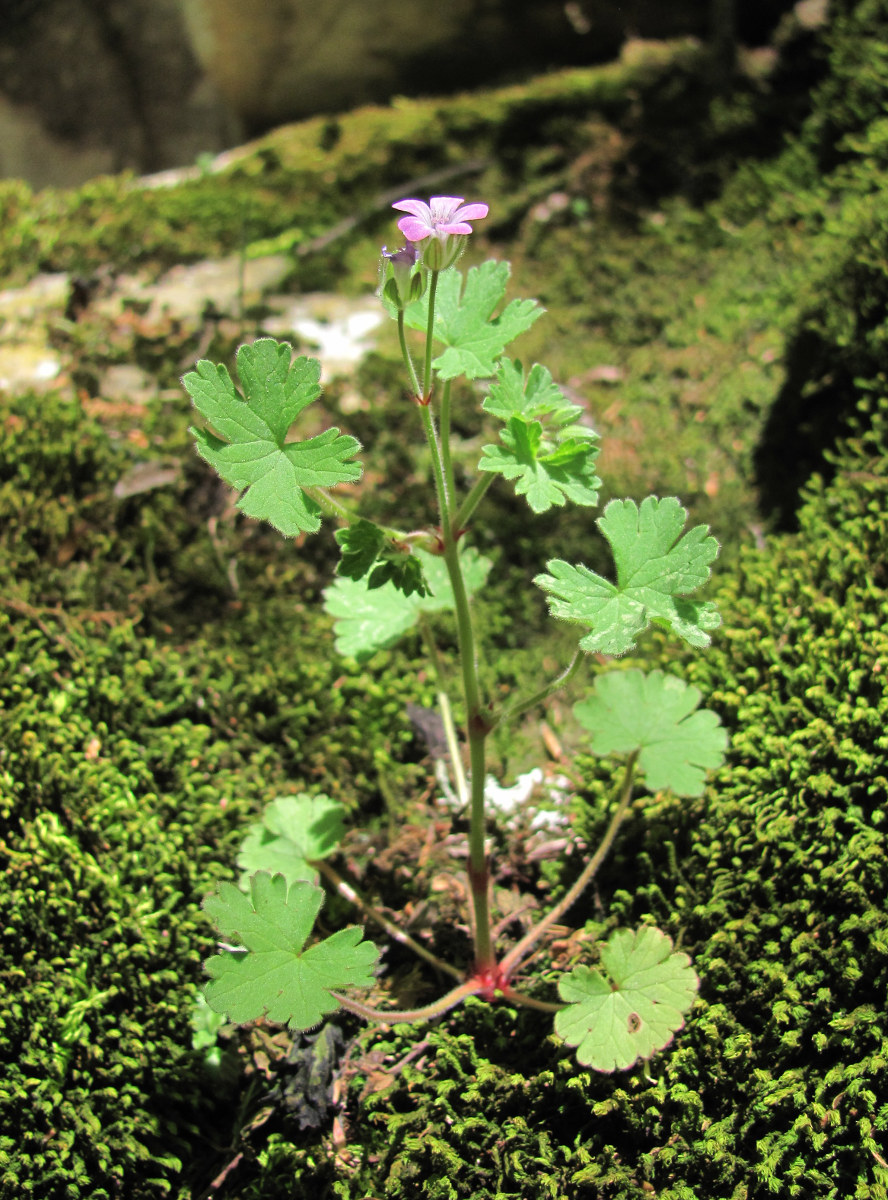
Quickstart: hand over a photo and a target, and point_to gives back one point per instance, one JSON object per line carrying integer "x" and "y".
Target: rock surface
{"x": 88, "y": 88}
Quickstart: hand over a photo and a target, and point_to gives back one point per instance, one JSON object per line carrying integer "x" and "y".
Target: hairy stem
{"x": 446, "y": 458}
{"x": 479, "y": 874}
{"x": 332, "y": 508}
{"x": 523, "y": 706}
{"x": 427, "y": 367}
{"x": 520, "y": 951}
{"x": 431, "y": 433}
{"x": 477, "y": 728}
{"x": 405, "y": 352}
{"x": 514, "y": 997}
{"x": 348, "y": 893}
{"x": 477, "y": 731}
{"x": 408, "y": 1016}
{"x": 329, "y": 506}
{"x": 471, "y": 502}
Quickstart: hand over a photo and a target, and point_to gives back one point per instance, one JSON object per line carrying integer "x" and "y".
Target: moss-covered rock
{"x": 164, "y": 670}
{"x": 775, "y": 882}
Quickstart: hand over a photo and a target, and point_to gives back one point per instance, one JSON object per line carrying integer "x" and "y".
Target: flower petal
{"x": 445, "y": 204}
{"x": 417, "y": 207}
{"x": 414, "y": 229}
{"x": 455, "y": 227}
{"x": 471, "y": 212}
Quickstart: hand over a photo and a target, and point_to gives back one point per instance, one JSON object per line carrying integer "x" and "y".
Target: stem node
{"x": 480, "y": 724}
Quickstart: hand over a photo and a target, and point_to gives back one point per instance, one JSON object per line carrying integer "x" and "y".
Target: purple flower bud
{"x": 407, "y": 256}
{"x": 398, "y": 278}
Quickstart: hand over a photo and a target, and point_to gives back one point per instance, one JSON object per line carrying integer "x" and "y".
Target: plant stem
{"x": 544, "y": 693}
{"x": 514, "y": 997}
{"x": 428, "y": 425}
{"x": 479, "y": 875}
{"x": 471, "y": 502}
{"x": 453, "y": 746}
{"x": 477, "y": 728}
{"x": 332, "y": 508}
{"x": 348, "y": 892}
{"x": 329, "y": 506}
{"x": 427, "y": 367}
{"x": 520, "y": 951}
{"x": 408, "y": 361}
{"x": 446, "y": 458}
{"x": 459, "y": 771}
{"x": 405, "y": 1016}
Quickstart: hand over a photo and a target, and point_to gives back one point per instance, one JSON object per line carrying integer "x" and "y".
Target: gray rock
{"x": 89, "y": 86}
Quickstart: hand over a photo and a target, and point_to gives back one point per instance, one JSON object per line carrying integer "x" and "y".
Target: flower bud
{"x": 418, "y": 285}
{"x": 399, "y": 286}
{"x": 442, "y": 250}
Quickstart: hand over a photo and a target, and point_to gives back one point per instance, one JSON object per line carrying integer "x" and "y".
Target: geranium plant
{"x": 630, "y": 1003}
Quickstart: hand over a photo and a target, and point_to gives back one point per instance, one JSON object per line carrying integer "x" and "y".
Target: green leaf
{"x": 274, "y": 975}
{"x": 464, "y": 320}
{"x": 403, "y": 571}
{"x": 655, "y": 715}
{"x": 655, "y": 572}
{"x": 548, "y": 473}
{"x": 205, "y": 1024}
{"x": 368, "y": 551}
{"x": 360, "y": 544}
{"x": 632, "y": 1011}
{"x": 544, "y": 449}
{"x": 249, "y": 447}
{"x": 294, "y": 831}
{"x": 550, "y": 455}
{"x": 367, "y": 620}
{"x": 511, "y": 395}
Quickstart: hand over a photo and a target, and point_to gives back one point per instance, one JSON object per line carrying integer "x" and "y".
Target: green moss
{"x": 775, "y": 882}
{"x": 283, "y": 184}
{"x": 126, "y": 777}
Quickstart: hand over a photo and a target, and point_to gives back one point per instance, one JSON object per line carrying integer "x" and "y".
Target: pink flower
{"x": 443, "y": 224}
{"x": 443, "y": 215}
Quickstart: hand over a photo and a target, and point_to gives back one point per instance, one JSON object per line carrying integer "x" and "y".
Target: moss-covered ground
{"x": 715, "y": 265}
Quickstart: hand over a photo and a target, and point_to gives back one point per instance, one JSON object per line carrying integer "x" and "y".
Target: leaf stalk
{"x": 354, "y": 897}
{"x": 522, "y": 948}
{"x": 410, "y": 1015}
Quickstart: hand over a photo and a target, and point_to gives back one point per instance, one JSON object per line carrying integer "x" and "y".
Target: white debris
{"x": 515, "y": 803}
{"x": 507, "y": 800}
{"x": 341, "y": 342}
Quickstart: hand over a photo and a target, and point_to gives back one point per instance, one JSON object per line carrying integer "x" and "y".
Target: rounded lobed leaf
{"x": 655, "y": 714}
{"x": 249, "y": 448}
{"x": 273, "y": 975}
{"x": 657, "y": 568}
{"x": 634, "y": 1009}
{"x": 294, "y": 831}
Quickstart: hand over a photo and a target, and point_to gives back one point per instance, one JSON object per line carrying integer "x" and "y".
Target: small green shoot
{"x": 551, "y": 457}
{"x": 367, "y": 552}
{"x": 548, "y": 472}
{"x": 295, "y": 831}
